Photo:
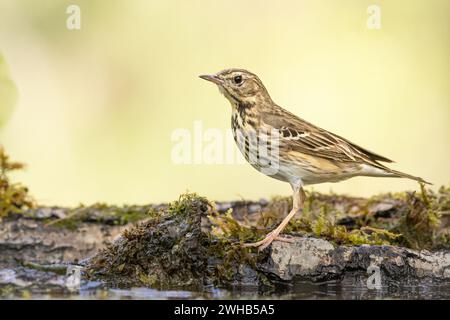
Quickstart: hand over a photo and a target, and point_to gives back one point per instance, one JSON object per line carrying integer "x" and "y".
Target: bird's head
{"x": 239, "y": 86}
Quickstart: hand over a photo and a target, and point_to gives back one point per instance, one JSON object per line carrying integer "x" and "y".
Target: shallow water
{"x": 93, "y": 290}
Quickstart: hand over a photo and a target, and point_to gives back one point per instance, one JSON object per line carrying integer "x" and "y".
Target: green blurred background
{"x": 96, "y": 107}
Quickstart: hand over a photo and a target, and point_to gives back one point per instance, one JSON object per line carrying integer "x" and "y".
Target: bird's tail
{"x": 399, "y": 174}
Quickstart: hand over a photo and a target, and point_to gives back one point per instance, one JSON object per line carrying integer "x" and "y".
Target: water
{"x": 95, "y": 290}
{"x": 23, "y": 283}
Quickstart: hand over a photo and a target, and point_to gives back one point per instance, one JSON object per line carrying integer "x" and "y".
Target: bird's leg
{"x": 298, "y": 199}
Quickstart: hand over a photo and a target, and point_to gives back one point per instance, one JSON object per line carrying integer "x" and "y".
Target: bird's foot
{"x": 264, "y": 243}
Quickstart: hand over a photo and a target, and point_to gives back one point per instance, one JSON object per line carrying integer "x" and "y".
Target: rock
{"x": 48, "y": 212}
{"x": 318, "y": 260}
{"x": 302, "y": 258}
{"x": 32, "y": 240}
{"x": 29, "y": 280}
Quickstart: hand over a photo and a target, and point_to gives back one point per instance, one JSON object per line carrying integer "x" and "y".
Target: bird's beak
{"x": 212, "y": 78}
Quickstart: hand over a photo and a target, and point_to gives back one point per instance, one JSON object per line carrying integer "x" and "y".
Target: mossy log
{"x": 176, "y": 250}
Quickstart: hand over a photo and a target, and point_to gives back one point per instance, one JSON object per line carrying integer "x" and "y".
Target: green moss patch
{"x": 172, "y": 250}
{"x": 14, "y": 197}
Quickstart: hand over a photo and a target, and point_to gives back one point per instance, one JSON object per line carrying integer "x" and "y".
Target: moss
{"x": 60, "y": 269}
{"x": 26, "y": 294}
{"x": 168, "y": 250}
{"x": 69, "y": 224}
{"x": 185, "y": 204}
{"x": 115, "y": 215}
{"x": 174, "y": 250}
{"x": 7, "y": 292}
{"x": 232, "y": 259}
{"x": 226, "y": 227}
{"x": 101, "y": 213}
{"x": 410, "y": 220}
{"x": 421, "y": 219}
{"x": 320, "y": 217}
{"x": 14, "y": 197}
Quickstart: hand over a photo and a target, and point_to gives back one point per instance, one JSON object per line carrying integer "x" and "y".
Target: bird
{"x": 285, "y": 147}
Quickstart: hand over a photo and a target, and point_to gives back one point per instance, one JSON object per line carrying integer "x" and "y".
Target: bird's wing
{"x": 302, "y": 136}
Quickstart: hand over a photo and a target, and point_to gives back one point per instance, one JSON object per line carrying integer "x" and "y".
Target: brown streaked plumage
{"x": 294, "y": 150}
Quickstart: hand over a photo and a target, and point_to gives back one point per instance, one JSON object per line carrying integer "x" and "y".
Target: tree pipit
{"x": 285, "y": 147}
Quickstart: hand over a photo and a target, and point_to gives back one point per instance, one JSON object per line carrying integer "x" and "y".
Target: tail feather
{"x": 400, "y": 174}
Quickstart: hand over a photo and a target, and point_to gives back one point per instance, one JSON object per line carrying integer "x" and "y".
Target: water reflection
{"x": 301, "y": 290}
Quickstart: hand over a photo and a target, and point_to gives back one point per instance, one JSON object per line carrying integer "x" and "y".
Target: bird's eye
{"x": 237, "y": 79}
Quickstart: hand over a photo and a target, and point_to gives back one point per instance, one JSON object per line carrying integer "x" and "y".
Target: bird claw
{"x": 264, "y": 243}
